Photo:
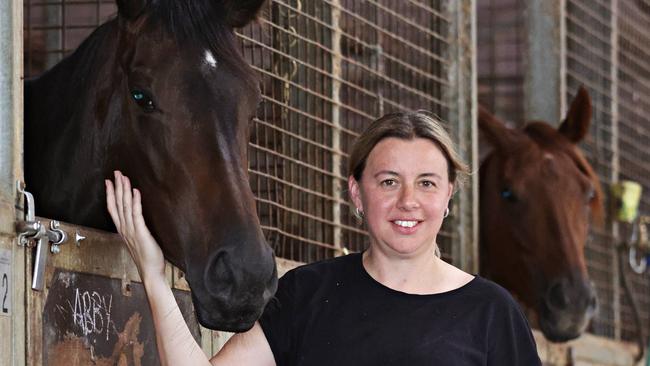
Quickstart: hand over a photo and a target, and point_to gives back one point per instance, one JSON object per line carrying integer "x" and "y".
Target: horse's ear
{"x": 495, "y": 132}
{"x": 238, "y": 13}
{"x": 131, "y": 9}
{"x": 576, "y": 124}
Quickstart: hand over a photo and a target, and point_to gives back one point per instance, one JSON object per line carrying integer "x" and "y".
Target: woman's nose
{"x": 407, "y": 199}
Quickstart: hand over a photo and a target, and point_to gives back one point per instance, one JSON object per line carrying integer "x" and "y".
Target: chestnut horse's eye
{"x": 591, "y": 194}
{"x": 508, "y": 195}
{"x": 143, "y": 99}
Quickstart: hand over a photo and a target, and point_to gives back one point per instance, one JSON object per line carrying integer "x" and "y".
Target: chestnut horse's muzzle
{"x": 567, "y": 307}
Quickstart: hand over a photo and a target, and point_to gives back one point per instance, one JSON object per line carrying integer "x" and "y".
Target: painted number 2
{"x": 5, "y": 287}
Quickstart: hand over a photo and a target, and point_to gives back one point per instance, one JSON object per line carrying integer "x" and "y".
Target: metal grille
{"x": 501, "y": 43}
{"x": 589, "y": 60}
{"x": 633, "y": 78}
{"x": 54, "y": 28}
{"x": 328, "y": 68}
{"x": 331, "y": 67}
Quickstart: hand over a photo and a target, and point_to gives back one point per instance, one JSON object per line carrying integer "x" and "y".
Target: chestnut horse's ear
{"x": 576, "y": 124}
{"x": 131, "y": 9}
{"x": 238, "y": 13}
{"x": 496, "y": 132}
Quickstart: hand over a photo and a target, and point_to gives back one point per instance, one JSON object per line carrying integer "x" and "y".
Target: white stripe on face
{"x": 209, "y": 59}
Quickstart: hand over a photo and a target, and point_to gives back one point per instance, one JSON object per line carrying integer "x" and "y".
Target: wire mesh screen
{"x": 589, "y": 63}
{"x": 501, "y": 40}
{"x": 54, "y": 28}
{"x": 331, "y": 67}
{"x": 328, "y": 68}
{"x": 634, "y": 132}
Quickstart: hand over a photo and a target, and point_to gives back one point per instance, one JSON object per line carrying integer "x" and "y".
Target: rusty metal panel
{"x": 90, "y": 319}
{"x": 101, "y": 269}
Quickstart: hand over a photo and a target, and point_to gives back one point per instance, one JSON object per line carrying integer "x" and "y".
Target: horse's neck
{"x": 61, "y": 147}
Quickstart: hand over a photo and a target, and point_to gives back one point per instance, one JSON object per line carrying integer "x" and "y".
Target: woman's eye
{"x": 144, "y": 100}
{"x": 388, "y": 182}
{"x": 428, "y": 184}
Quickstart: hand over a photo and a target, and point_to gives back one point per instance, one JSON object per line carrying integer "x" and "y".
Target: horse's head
{"x": 178, "y": 102}
{"x": 537, "y": 196}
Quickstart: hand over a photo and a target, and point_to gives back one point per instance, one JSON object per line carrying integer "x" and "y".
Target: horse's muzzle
{"x": 567, "y": 308}
{"x": 234, "y": 290}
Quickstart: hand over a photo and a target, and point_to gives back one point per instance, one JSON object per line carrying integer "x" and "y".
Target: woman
{"x": 397, "y": 303}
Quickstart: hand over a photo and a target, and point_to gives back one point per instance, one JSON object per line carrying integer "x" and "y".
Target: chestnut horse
{"x": 537, "y": 196}
{"x": 162, "y": 93}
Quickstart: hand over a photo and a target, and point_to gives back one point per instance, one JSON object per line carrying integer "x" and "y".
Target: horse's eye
{"x": 591, "y": 194}
{"x": 143, "y": 100}
{"x": 508, "y": 195}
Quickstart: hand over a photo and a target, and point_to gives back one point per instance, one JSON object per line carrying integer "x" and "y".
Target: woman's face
{"x": 403, "y": 193}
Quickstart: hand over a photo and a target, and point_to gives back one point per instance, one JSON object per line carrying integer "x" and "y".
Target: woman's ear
{"x": 355, "y": 192}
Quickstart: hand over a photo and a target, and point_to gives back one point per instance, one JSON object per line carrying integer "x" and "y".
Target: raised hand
{"x": 125, "y": 207}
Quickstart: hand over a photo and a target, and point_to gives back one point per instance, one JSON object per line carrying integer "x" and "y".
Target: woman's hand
{"x": 125, "y": 208}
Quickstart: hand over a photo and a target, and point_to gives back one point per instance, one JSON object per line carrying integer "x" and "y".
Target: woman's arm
{"x": 176, "y": 345}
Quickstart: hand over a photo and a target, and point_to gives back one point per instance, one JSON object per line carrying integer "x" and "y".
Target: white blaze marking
{"x": 209, "y": 59}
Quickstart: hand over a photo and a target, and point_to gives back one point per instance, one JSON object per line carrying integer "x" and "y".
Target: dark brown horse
{"x": 161, "y": 93}
{"x": 537, "y": 196}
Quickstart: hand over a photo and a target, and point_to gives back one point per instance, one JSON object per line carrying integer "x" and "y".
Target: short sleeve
{"x": 511, "y": 341}
{"x": 276, "y": 320}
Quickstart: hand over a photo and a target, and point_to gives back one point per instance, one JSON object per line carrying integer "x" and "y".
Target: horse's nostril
{"x": 593, "y": 302}
{"x": 557, "y": 297}
{"x": 218, "y": 275}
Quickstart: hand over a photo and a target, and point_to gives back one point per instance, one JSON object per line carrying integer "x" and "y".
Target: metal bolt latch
{"x": 32, "y": 233}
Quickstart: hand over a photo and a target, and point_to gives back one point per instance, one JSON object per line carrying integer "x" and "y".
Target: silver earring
{"x": 358, "y": 213}
{"x": 446, "y": 213}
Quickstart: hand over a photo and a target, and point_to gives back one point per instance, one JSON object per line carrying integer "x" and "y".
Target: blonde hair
{"x": 407, "y": 126}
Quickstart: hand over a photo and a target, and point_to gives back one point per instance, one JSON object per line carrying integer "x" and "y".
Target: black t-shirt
{"x": 334, "y": 313}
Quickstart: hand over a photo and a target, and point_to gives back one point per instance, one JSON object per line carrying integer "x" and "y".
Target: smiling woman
{"x": 397, "y": 303}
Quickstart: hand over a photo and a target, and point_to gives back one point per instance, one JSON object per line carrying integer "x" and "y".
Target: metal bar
{"x": 542, "y": 86}
{"x": 337, "y": 184}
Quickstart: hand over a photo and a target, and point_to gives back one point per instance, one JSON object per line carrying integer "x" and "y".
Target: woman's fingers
{"x": 138, "y": 220}
{"x": 127, "y": 204}
{"x": 110, "y": 203}
{"x": 119, "y": 189}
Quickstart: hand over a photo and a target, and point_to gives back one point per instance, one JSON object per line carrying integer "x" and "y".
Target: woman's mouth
{"x": 405, "y": 226}
{"x": 405, "y": 223}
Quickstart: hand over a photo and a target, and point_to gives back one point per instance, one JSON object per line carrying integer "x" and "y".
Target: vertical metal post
{"x": 616, "y": 293}
{"x": 337, "y": 186}
{"x": 12, "y": 314}
{"x": 544, "y": 81}
{"x": 463, "y": 99}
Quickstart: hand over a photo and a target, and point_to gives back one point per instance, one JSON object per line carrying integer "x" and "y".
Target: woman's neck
{"x": 419, "y": 274}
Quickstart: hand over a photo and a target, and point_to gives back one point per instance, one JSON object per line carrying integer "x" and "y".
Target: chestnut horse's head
{"x": 537, "y": 196}
{"x": 163, "y": 94}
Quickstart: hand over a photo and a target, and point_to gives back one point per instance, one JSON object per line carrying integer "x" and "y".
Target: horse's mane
{"x": 546, "y": 137}
{"x": 203, "y": 21}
